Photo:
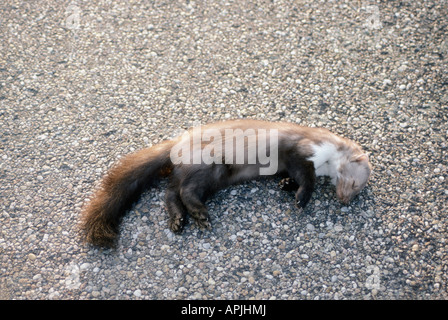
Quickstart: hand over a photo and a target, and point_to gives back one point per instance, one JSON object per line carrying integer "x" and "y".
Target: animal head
{"x": 352, "y": 177}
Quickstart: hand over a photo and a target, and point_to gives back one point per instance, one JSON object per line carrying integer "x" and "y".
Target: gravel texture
{"x": 85, "y": 82}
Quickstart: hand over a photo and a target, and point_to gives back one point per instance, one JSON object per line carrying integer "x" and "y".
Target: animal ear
{"x": 360, "y": 158}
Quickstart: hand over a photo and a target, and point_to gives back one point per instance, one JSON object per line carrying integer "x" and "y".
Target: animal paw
{"x": 303, "y": 196}
{"x": 288, "y": 184}
{"x": 204, "y": 223}
{"x": 176, "y": 225}
{"x": 201, "y": 218}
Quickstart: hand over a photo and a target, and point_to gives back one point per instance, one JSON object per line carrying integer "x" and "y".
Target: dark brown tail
{"x": 121, "y": 187}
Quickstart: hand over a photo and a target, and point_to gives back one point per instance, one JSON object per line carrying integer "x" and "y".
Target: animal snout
{"x": 345, "y": 199}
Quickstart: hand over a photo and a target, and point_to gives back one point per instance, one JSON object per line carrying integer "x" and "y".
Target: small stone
{"x": 197, "y": 295}
{"x": 165, "y": 91}
{"x": 310, "y": 227}
{"x": 84, "y": 266}
{"x": 138, "y": 293}
{"x": 128, "y": 253}
{"x": 37, "y": 276}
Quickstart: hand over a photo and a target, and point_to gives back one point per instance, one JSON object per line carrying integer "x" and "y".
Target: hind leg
{"x": 176, "y": 210}
{"x": 193, "y": 197}
{"x": 198, "y": 183}
{"x": 195, "y": 188}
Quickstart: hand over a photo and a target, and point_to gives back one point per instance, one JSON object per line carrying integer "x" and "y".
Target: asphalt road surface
{"x": 83, "y": 83}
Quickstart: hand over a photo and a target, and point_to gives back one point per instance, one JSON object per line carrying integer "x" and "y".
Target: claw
{"x": 204, "y": 224}
{"x": 176, "y": 225}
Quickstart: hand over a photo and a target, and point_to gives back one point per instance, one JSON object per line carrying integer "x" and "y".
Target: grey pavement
{"x": 83, "y": 83}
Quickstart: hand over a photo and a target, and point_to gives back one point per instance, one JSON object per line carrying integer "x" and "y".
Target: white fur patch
{"x": 326, "y": 160}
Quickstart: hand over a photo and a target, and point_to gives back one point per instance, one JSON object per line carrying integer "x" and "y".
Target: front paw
{"x": 288, "y": 184}
{"x": 303, "y": 196}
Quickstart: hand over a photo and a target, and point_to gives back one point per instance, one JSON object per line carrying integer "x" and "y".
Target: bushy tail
{"x": 121, "y": 187}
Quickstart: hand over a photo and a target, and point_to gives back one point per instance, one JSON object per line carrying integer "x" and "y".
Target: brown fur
{"x": 191, "y": 184}
{"x": 122, "y": 185}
